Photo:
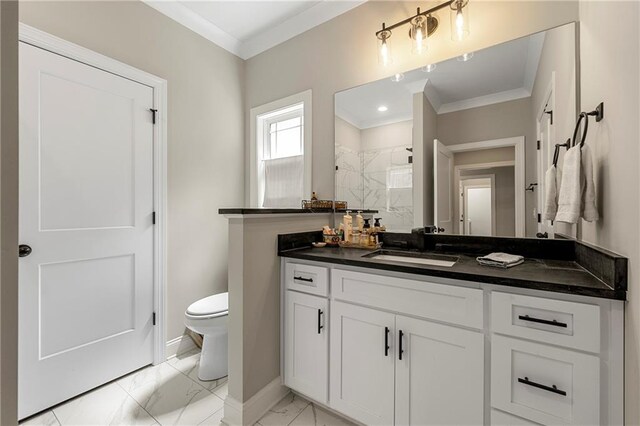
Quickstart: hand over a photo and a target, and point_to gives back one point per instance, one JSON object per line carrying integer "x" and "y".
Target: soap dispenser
{"x": 360, "y": 221}
{"x": 348, "y": 225}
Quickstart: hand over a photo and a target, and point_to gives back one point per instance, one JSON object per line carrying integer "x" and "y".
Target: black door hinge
{"x": 538, "y": 145}
{"x": 153, "y": 115}
{"x": 539, "y": 218}
{"x": 153, "y": 218}
{"x": 154, "y": 318}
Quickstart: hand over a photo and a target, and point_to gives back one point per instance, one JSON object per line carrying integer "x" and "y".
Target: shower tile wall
{"x": 377, "y": 179}
{"x": 386, "y": 175}
{"x": 349, "y": 176}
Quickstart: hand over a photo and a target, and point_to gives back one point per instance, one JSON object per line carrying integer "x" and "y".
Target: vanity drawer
{"x": 446, "y": 303}
{"x": 570, "y": 324}
{"x": 307, "y": 278}
{"x": 500, "y": 418}
{"x": 544, "y": 384}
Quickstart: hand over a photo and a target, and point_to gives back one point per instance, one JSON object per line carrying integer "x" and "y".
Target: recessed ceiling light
{"x": 397, "y": 77}
{"x": 382, "y": 108}
{"x": 465, "y": 57}
{"x": 429, "y": 68}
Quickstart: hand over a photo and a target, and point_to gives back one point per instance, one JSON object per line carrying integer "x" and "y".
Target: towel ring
{"x": 584, "y": 131}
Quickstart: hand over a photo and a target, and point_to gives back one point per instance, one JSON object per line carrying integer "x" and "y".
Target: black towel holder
{"x": 598, "y": 113}
{"x": 556, "y": 153}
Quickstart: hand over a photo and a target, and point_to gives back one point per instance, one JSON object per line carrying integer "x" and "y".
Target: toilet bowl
{"x": 209, "y": 317}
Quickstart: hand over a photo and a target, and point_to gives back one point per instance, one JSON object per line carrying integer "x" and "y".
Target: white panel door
{"x": 440, "y": 376}
{"x": 86, "y": 204}
{"x": 362, "y": 363}
{"x": 306, "y": 345}
{"x": 477, "y": 208}
{"x": 443, "y": 186}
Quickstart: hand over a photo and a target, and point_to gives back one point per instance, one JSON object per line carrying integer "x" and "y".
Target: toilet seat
{"x": 209, "y": 307}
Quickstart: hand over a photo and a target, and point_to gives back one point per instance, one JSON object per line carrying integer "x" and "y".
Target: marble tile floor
{"x": 171, "y": 394}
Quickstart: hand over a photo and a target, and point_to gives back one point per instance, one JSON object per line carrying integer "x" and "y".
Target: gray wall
{"x": 610, "y": 47}
{"x": 205, "y": 124}
{"x": 502, "y": 120}
{"x": 8, "y": 212}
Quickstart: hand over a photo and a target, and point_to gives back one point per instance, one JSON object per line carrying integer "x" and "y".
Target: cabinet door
{"x": 362, "y": 363}
{"x": 440, "y": 376}
{"x": 306, "y": 345}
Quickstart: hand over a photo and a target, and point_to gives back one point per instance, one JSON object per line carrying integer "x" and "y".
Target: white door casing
{"x": 443, "y": 186}
{"x": 87, "y": 197}
{"x": 545, "y": 151}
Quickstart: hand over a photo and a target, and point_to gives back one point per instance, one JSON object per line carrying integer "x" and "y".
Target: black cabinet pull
{"x": 400, "y": 350}
{"x": 320, "y": 326}
{"x": 386, "y": 341}
{"x": 542, "y": 321}
{"x": 551, "y": 388}
{"x": 308, "y": 280}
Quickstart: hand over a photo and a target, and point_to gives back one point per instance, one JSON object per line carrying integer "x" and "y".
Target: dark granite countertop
{"x": 262, "y": 210}
{"x": 564, "y": 275}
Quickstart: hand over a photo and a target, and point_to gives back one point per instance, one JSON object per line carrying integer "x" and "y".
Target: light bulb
{"x": 460, "y": 24}
{"x": 384, "y": 52}
{"x": 419, "y": 40}
{"x": 382, "y": 108}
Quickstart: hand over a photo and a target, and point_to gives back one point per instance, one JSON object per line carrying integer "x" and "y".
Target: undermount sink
{"x": 414, "y": 258}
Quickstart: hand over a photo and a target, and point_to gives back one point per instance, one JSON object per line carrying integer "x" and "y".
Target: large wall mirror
{"x": 462, "y": 144}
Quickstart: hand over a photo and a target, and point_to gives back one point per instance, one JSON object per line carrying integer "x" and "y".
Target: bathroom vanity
{"x": 408, "y": 342}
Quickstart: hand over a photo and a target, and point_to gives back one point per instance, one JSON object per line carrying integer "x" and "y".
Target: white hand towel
{"x": 500, "y": 260}
{"x": 570, "y": 196}
{"x": 589, "y": 212}
{"x": 552, "y": 185}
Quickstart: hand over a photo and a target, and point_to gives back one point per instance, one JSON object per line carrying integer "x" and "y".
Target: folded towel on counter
{"x": 570, "y": 195}
{"x": 551, "y": 187}
{"x": 500, "y": 260}
{"x": 589, "y": 212}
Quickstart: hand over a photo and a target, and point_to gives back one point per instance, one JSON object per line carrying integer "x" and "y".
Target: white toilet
{"x": 209, "y": 317}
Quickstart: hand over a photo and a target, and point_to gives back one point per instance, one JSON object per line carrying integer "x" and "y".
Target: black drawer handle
{"x": 308, "y": 280}
{"x": 386, "y": 341}
{"x": 400, "y": 350}
{"x": 542, "y": 321}
{"x": 551, "y": 388}
{"x": 320, "y": 326}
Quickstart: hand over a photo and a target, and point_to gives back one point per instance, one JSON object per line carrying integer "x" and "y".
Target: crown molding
{"x": 304, "y": 21}
{"x": 480, "y": 101}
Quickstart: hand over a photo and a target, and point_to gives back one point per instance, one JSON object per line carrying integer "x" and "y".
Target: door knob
{"x": 24, "y": 250}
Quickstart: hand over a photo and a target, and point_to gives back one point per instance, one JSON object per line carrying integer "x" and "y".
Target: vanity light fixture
{"x": 423, "y": 25}
{"x": 382, "y": 108}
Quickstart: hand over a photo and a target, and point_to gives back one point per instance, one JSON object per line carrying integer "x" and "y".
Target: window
{"x": 280, "y": 172}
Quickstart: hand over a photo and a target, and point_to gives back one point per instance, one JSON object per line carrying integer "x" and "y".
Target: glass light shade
{"x": 397, "y": 77}
{"x": 419, "y": 35}
{"x": 384, "y": 49}
{"x": 459, "y": 20}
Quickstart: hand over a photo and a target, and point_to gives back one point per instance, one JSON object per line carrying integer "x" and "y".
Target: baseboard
{"x": 237, "y": 413}
{"x": 179, "y": 345}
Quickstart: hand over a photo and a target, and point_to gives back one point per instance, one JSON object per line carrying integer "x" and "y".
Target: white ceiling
{"x": 247, "y": 28}
{"x": 497, "y": 74}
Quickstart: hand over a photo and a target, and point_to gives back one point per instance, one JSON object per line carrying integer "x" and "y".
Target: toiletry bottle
{"x": 365, "y": 238}
{"x": 376, "y": 224}
{"x": 360, "y": 221}
{"x": 348, "y": 226}
{"x": 314, "y": 197}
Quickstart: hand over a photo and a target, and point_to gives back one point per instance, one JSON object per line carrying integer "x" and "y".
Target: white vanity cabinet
{"x": 385, "y": 348}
